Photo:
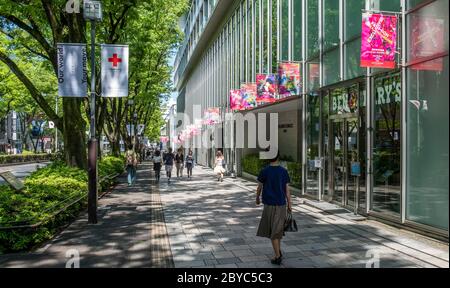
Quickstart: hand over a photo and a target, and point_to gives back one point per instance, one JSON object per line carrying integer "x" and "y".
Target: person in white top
{"x": 218, "y": 169}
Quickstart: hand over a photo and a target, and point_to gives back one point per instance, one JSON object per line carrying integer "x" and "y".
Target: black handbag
{"x": 289, "y": 224}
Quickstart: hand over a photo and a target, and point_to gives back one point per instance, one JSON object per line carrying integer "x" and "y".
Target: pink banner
{"x": 378, "y": 40}
{"x": 248, "y": 94}
{"x": 212, "y": 116}
{"x": 427, "y": 40}
{"x": 288, "y": 79}
{"x": 164, "y": 139}
{"x": 267, "y": 88}
{"x": 236, "y": 100}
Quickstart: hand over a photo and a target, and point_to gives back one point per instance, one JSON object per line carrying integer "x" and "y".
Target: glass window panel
{"x": 297, "y": 19}
{"x": 257, "y": 17}
{"x": 427, "y": 146}
{"x": 325, "y": 114}
{"x": 274, "y": 37}
{"x": 353, "y": 18}
{"x": 331, "y": 67}
{"x": 352, "y": 52}
{"x": 383, "y": 5}
{"x": 413, "y": 3}
{"x": 285, "y": 29}
{"x": 313, "y": 130}
{"x": 331, "y": 24}
{"x": 313, "y": 74}
{"x": 386, "y": 144}
{"x": 428, "y": 31}
{"x": 265, "y": 25}
{"x": 313, "y": 28}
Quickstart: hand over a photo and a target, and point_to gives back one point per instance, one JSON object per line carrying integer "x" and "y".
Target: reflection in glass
{"x": 313, "y": 129}
{"x": 386, "y": 147}
{"x": 338, "y": 161}
{"x": 428, "y": 146}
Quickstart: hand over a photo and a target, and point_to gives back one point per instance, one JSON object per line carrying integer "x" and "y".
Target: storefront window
{"x": 427, "y": 152}
{"x": 325, "y": 141}
{"x": 313, "y": 129}
{"x": 386, "y": 144}
{"x": 428, "y": 116}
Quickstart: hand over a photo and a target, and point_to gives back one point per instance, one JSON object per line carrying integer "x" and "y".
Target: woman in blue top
{"x": 273, "y": 184}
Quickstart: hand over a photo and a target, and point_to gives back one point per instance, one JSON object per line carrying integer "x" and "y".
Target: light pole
{"x": 93, "y": 12}
{"x": 56, "y": 129}
{"x": 130, "y": 121}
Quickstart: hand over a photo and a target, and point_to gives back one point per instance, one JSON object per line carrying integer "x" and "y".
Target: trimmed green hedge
{"x": 253, "y": 165}
{"x": 47, "y": 191}
{"x": 20, "y": 158}
{"x": 295, "y": 170}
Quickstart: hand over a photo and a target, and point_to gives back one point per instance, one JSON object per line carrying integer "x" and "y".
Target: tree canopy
{"x": 30, "y": 31}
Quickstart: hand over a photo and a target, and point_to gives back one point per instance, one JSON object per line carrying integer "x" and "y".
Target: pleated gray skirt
{"x": 272, "y": 222}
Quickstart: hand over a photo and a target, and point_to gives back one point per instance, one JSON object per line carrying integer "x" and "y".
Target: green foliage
{"x": 48, "y": 190}
{"x": 295, "y": 173}
{"x": 253, "y": 165}
{"x": 27, "y": 157}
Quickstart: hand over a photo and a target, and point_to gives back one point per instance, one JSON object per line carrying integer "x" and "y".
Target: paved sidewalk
{"x": 212, "y": 224}
{"x": 130, "y": 233}
{"x": 205, "y": 223}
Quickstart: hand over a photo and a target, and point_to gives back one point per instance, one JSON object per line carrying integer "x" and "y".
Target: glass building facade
{"x": 372, "y": 140}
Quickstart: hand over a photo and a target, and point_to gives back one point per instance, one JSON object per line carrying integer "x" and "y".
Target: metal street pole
{"x": 56, "y": 129}
{"x": 92, "y": 149}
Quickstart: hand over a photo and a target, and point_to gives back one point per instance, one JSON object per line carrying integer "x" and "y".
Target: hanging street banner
{"x": 114, "y": 70}
{"x": 164, "y": 139}
{"x": 211, "y": 116}
{"x": 72, "y": 70}
{"x": 266, "y": 88}
{"x": 378, "y": 40}
{"x": 248, "y": 95}
{"x": 427, "y": 40}
{"x": 236, "y": 100}
{"x": 288, "y": 79}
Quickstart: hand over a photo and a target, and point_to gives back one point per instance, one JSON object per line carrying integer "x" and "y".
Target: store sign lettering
{"x": 345, "y": 103}
{"x": 389, "y": 93}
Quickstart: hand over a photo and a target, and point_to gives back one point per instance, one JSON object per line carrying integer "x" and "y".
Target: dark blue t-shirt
{"x": 274, "y": 180}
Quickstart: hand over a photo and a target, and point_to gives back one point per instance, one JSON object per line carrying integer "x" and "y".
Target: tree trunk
{"x": 75, "y": 136}
{"x": 115, "y": 147}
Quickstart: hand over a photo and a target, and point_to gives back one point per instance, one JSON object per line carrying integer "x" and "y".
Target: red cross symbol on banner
{"x": 115, "y": 60}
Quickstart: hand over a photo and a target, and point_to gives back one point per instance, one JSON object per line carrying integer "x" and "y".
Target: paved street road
{"x": 21, "y": 171}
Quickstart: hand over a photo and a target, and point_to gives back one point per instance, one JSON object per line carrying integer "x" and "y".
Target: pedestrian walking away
{"x": 273, "y": 183}
{"x": 219, "y": 170}
{"x": 179, "y": 162}
{"x": 157, "y": 165}
{"x": 189, "y": 163}
{"x": 132, "y": 161}
{"x": 168, "y": 162}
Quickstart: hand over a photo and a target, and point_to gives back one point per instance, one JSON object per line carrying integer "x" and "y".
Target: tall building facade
{"x": 373, "y": 140}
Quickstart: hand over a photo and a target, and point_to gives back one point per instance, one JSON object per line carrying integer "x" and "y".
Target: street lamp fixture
{"x": 92, "y": 11}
